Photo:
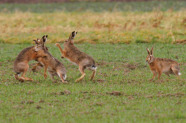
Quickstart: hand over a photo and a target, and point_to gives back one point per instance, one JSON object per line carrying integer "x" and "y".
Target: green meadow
{"x": 120, "y": 92}
{"x": 116, "y": 35}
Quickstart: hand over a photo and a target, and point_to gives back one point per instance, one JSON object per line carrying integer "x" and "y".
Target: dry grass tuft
{"x": 105, "y": 27}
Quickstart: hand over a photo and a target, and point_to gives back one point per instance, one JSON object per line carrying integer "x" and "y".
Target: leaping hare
{"x": 73, "y": 54}
{"x": 30, "y": 53}
{"x": 161, "y": 65}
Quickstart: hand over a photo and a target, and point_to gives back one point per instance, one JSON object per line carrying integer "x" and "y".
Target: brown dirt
{"x": 66, "y": 92}
{"x": 99, "y": 104}
{"x": 38, "y": 107}
{"x": 166, "y": 95}
{"x": 30, "y": 102}
{"x": 41, "y": 101}
{"x": 100, "y": 80}
{"x": 115, "y": 93}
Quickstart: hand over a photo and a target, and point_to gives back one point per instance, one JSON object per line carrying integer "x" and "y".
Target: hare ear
{"x": 44, "y": 38}
{"x": 151, "y": 51}
{"x": 148, "y": 51}
{"x": 72, "y": 36}
{"x": 35, "y": 41}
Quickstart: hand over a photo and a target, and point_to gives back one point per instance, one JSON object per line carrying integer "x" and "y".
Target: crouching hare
{"x": 162, "y": 65}
{"x": 73, "y": 54}
{"x": 30, "y": 53}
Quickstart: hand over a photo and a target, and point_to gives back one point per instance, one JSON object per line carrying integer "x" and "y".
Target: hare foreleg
{"x": 45, "y": 74}
{"x": 61, "y": 50}
{"x": 35, "y": 66}
{"x": 154, "y": 75}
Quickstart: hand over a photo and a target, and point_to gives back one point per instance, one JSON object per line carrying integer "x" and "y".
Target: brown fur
{"x": 73, "y": 54}
{"x": 31, "y": 53}
{"x": 54, "y": 66}
{"x": 162, "y": 65}
{"x": 37, "y": 65}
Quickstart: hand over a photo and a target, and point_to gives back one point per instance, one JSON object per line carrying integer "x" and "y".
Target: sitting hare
{"x": 161, "y": 65}
{"x": 30, "y": 53}
{"x": 73, "y": 54}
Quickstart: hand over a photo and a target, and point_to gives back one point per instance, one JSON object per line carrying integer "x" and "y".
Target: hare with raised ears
{"x": 42, "y": 44}
{"x": 73, "y": 54}
{"x": 161, "y": 65}
{"x": 54, "y": 66}
{"x": 30, "y": 53}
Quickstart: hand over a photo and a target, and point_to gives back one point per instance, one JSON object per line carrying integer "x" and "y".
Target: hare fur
{"x": 30, "y": 53}
{"x": 73, "y": 54}
{"x": 162, "y": 65}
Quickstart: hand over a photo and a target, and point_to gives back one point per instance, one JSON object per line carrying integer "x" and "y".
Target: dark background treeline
{"x": 51, "y": 1}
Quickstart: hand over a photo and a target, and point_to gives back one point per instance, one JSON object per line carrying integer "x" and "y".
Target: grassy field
{"x": 120, "y": 92}
{"x": 116, "y": 36}
{"x": 174, "y": 5}
{"x": 163, "y": 22}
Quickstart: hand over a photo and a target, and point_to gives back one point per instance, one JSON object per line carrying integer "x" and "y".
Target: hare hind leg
{"x": 93, "y": 75}
{"x": 19, "y": 78}
{"x": 167, "y": 74}
{"x": 25, "y": 67}
{"x": 175, "y": 70}
{"x": 61, "y": 77}
{"x": 81, "y": 69}
{"x": 25, "y": 78}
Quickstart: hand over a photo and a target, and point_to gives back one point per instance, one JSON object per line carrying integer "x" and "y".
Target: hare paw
{"x": 151, "y": 80}
{"x": 64, "y": 82}
{"x": 45, "y": 75}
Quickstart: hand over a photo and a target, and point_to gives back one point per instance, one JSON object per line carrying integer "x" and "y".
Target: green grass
{"x": 121, "y": 67}
{"x": 95, "y": 6}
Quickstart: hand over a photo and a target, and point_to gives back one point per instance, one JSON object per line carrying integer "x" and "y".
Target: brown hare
{"x": 73, "y": 54}
{"x": 161, "y": 65}
{"x": 37, "y": 65}
{"x": 30, "y": 53}
{"x": 54, "y": 66}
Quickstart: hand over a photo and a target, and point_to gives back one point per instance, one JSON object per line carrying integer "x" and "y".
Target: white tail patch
{"x": 64, "y": 77}
{"x": 94, "y": 68}
{"x": 179, "y": 73}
